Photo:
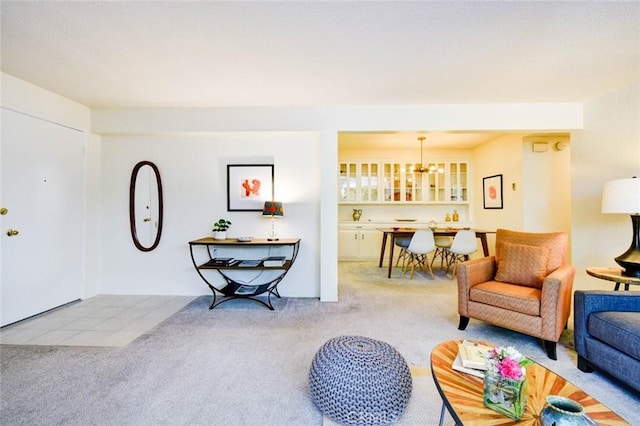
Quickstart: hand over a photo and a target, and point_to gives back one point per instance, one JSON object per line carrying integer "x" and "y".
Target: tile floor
{"x": 103, "y": 320}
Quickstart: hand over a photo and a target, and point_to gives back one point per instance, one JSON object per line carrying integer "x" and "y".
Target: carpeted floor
{"x": 241, "y": 364}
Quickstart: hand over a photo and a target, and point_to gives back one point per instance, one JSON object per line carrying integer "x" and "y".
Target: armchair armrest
{"x": 586, "y": 302}
{"x": 470, "y": 273}
{"x": 555, "y": 301}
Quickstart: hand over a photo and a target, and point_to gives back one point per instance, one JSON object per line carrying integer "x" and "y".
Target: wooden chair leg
{"x": 431, "y": 272}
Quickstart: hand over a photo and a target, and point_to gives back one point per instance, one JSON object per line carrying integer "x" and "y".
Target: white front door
{"x": 42, "y": 190}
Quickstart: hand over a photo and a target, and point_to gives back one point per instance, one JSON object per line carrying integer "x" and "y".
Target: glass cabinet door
{"x": 359, "y": 182}
{"x": 458, "y": 182}
{"x": 436, "y": 182}
{"x": 390, "y": 173}
{"x": 369, "y": 182}
{"x": 348, "y": 183}
{"x": 413, "y": 182}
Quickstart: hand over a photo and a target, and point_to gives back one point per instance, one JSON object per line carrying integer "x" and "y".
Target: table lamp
{"x": 623, "y": 196}
{"x": 273, "y": 209}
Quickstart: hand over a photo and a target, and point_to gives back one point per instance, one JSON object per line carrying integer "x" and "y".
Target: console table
{"x": 235, "y": 289}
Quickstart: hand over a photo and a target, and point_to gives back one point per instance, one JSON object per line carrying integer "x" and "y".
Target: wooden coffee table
{"x": 462, "y": 393}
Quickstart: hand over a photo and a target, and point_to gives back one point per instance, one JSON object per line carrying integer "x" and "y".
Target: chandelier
{"x": 431, "y": 168}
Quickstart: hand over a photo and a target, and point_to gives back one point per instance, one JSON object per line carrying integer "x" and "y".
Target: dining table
{"x": 401, "y": 232}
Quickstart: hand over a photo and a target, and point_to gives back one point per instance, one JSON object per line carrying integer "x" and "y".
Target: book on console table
{"x": 246, "y": 289}
{"x": 272, "y": 261}
{"x": 221, "y": 261}
{"x": 473, "y": 355}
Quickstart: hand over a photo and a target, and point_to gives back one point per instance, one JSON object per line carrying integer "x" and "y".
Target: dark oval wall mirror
{"x": 145, "y": 206}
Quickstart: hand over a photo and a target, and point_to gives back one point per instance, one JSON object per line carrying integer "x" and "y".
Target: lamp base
{"x": 630, "y": 259}
{"x": 273, "y": 233}
{"x": 630, "y": 265}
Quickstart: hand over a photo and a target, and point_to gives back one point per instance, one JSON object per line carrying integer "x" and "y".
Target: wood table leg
{"x": 393, "y": 244}
{"x": 384, "y": 245}
{"x": 485, "y": 246}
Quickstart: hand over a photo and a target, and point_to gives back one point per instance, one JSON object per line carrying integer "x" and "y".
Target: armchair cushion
{"x": 556, "y": 242}
{"x": 516, "y": 298}
{"x": 522, "y": 264}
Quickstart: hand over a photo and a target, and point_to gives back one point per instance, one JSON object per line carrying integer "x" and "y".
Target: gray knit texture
{"x": 356, "y": 380}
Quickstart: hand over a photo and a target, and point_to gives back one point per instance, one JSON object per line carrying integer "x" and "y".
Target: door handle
{"x": 146, "y": 219}
{"x": 12, "y": 232}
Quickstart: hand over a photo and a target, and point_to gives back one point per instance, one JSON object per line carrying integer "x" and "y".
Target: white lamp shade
{"x": 621, "y": 196}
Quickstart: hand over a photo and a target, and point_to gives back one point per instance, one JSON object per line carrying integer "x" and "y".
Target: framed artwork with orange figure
{"x": 492, "y": 192}
{"x": 249, "y": 186}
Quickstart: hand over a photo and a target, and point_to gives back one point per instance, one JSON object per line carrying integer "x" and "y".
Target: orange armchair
{"x": 525, "y": 287}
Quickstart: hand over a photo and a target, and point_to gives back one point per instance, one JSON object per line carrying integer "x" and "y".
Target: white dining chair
{"x": 403, "y": 244}
{"x": 422, "y": 243}
{"x": 443, "y": 243}
{"x": 464, "y": 243}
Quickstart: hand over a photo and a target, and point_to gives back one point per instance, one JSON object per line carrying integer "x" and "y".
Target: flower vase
{"x": 219, "y": 235}
{"x": 506, "y": 396}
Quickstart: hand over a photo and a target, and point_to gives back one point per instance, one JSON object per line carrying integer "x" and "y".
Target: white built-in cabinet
{"x": 403, "y": 182}
{"x": 359, "y": 242}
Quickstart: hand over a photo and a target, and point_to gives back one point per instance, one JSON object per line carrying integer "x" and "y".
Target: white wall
{"x": 193, "y": 172}
{"x": 327, "y": 122}
{"x": 608, "y": 148}
{"x": 500, "y": 156}
{"x": 546, "y": 187}
{"x": 25, "y": 97}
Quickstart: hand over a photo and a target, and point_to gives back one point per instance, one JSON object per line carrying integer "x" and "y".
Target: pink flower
{"x": 510, "y": 369}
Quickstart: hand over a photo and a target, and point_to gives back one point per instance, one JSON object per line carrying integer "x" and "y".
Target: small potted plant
{"x": 220, "y": 229}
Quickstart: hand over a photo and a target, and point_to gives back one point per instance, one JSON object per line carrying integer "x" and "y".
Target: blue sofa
{"x": 607, "y": 333}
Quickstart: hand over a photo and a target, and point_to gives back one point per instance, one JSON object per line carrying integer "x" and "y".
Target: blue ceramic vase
{"x": 561, "y": 411}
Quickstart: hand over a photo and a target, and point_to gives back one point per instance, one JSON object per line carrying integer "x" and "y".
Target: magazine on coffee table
{"x": 457, "y": 365}
{"x": 471, "y": 358}
{"x": 473, "y": 355}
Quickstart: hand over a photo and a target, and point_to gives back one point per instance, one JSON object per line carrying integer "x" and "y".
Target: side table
{"x": 615, "y": 275}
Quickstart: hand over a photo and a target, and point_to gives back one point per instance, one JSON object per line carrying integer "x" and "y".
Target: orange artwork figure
{"x": 251, "y": 189}
{"x": 493, "y": 194}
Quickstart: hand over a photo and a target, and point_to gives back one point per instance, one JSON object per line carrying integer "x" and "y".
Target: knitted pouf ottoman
{"x": 355, "y": 380}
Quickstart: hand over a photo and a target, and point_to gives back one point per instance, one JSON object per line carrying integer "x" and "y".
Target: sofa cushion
{"x": 522, "y": 264}
{"x": 512, "y": 297}
{"x": 618, "y": 329}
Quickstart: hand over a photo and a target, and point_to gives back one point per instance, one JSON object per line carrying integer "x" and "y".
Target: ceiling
{"x": 409, "y": 140}
{"x": 310, "y": 53}
{"x": 212, "y": 53}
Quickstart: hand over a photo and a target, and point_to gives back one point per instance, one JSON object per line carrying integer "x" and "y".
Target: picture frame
{"x": 492, "y": 192}
{"x": 249, "y": 186}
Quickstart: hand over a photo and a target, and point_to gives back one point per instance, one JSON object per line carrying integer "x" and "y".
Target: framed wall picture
{"x": 492, "y": 192}
{"x": 249, "y": 186}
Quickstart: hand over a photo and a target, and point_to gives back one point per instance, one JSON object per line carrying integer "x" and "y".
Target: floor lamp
{"x": 273, "y": 209}
{"x": 623, "y": 196}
